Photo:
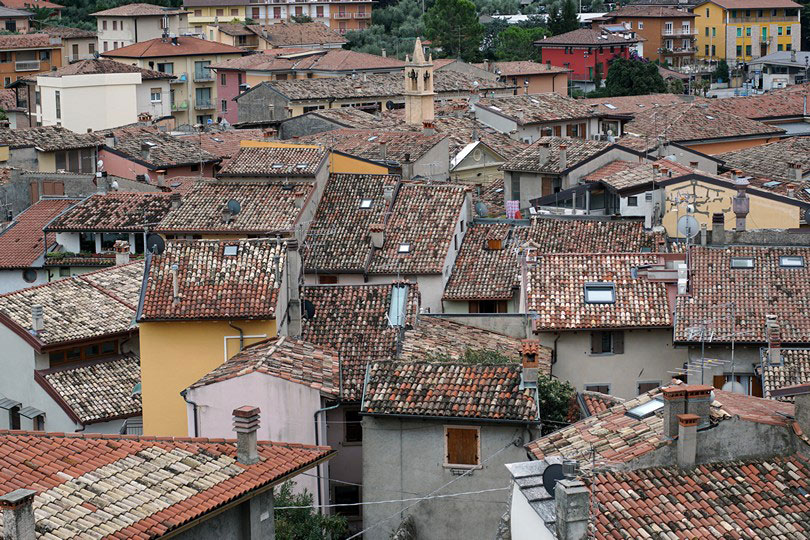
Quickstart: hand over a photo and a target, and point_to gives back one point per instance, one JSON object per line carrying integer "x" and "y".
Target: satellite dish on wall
{"x": 389, "y": 104}
{"x": 234, "y": 207}
{"x": 688, "y": 226}
{"x": 309, "y": 309}
{"x": 155, "y": 244}
{"x": 481, "y": 209}
{"x": 551, "y": 476}
{"x": 734, "y": 386}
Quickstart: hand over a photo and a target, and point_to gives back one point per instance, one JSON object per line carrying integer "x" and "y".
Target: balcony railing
{"x": 181, "y": 78}
{"x": 677, "y": 50}
{"x": 27, "y": 65}
{"x": 203, "y": 76}
{"x": 768, "y": 18}
{"x": 203, "y": 105}
{"x": 179, "y": 106}
{"x": 362, "y": 15}
{"x": 341, "y": 15}
{"x": 680, "y": 32}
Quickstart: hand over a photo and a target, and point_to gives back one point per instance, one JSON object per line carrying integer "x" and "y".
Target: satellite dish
{"x": 100, "y": 165}
{"x": 155, "y": 244}
{"x": 551, "y": 476}
{"x": 234, "y": 207}
{"x": 481, "y": 209}
{"x": 734, "y": 386}
{"x": 309, "y": 309}
{"x": 688, "y": 226}
{"x": 389, "y": 105}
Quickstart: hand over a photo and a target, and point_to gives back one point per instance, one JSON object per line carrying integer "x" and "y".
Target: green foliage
{"x": 301, "y": 19}
{"x": 721, "y": 71}
{"x": 597, "y": 75}
{"x": 516, "y": 43}
{"x": 598, "y": 6}
{"x": 473, "y": 356}
{"x": 675, "y": 86}
{"x": 495, "y": 7}
{"x": 633, "y": 78}
{"x": 562, "y": 17}
{"x": 453, "y": 25}
{"x": 553, "y": 399}
{"x": 394, "y": 28}
{"x": 304, "y": 523}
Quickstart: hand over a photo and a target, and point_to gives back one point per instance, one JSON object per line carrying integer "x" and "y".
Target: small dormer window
{"x": 404, "y": 248}
{"x": 600, "y": 293}
{"x": 742, "y": 262}
{"x": 231, "y": 251}
{"x": 791, "y": 261}
{"x": 365, "y": 203}
{"x": 278, "y": 165}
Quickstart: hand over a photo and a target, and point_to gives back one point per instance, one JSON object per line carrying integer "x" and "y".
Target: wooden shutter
{"x": 58, "y": 188}
{"x": 34, "y": 192}
{"x": 596, "y": 342}
{"x": 718, "y": 381}
{"x": 462, "y": 446}
{"x": 618, "y": 342}
{"x": 558, "y": 131}
{"x": 473, "y": 306}
{"x": 546, "y": 183}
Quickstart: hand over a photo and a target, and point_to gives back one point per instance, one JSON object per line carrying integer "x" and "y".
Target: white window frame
{"x": 152, "y": 95}
{"x": 449, "y": 465}
{"x": 784, "y": 264}
{"x": 600, "y": 285}
{"x": 736, "y": 263}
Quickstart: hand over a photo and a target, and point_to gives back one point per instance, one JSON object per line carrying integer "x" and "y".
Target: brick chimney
{"x": 18, "y": 515}
{"x": 674, "y": 405}
{"x": 718, "y": 229}
{"x": 687, "y": 440}
{"x": 428, "y": 128}
{"x": 740, "y": 203}
{"x": 563, "y": 156}
{"x": 529, "y": 354}
{"x": 246, "y": 424}
{"x": 121, "y": 248}
{"x": 572, "y": 503}
{"x": 377, "y": 238}
{"x": 699, "y": 402}
{"x": 174, "y": 199}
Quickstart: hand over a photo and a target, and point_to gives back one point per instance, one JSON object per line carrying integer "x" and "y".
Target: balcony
{"x": 362, "y": 15}
{"x": 79, "y": 58}
{"x": 203, "y": 76}
{"x": 27, "y": 65}
{"x": 683, "y": 32}
{"x": 180, "y": 106}
{"x": 203, "y": 105}
{"x": 181, "y": 78}
{"x": 677, "y": 50}
{"x": 341, "y": 16}
{"x": 765, "y": 19}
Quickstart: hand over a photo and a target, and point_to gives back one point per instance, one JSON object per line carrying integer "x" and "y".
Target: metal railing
{"x": 27, "y": 65}
{"x": 179, "y": 106}
{"x": 768, "y": 19}
{"x": 341, "y": 15}
{"x": 181, "y": 78}
{"x": 203, "y": 105}
{"x": 200, "y": 76}
{"x": 681, "y": 32}
{"x": 362, "y": 15}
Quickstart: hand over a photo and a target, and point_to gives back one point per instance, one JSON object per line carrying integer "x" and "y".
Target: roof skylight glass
{"x": 600, "y": 293}
{"x": 231, "y": 250}
{"x": 610, "y": 105}
{"x": 742, "y": 262}
{"x": 404, "y": 248}
{"x": 772, "y": 183}
{"x": 278, "y": 165}
{"x": 365, "y": 203}
{"x": 791, "y": 261}
{"x": 645, "y": 410}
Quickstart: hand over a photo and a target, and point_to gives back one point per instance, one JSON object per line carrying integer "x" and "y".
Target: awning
{"x": 8, "y": 403}
{"x": 31, "y": 412}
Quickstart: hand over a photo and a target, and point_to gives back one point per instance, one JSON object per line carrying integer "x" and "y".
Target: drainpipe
{"x": 194, "y": 411}
{"x": 317, "y": 441}
{"x": 241, "y": 335}
{"x": 554, "y": 353}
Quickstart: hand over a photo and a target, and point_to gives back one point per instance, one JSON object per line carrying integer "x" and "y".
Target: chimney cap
{"x": 674, "y": 392}
{"x": 688, "y": 419}
{"x": 17, "y": 498}
{"x": 246, "y": 411}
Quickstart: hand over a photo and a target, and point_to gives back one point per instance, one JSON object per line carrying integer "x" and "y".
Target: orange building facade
{"x": 25, "y": 54}
{"x": 670, "y": 34}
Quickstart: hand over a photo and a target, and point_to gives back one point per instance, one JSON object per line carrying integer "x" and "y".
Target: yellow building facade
{"x": 200, "y": 16}
{"x": 727, "y": 32}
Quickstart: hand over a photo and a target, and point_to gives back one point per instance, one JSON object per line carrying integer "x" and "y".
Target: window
{"x": 787, "y": 47}
{"x": 91, "y": 48}
{"x": 224, "y": 105}
{"x": 76, "y": 161}
{"x": 707, "y": 31}
{"x": 787, "y": 30}
{"x": 223, "y": 79}
{"x": 276, "y": 12}
{"x": 64, "y": 271}
{"x": 779, "y": 47}
{"x": 39, "y": 422}
{"x": 644, "y": 387}
{"x": 239, "y": 79}
{"x": 198, "y": 13}
{"x": 607, "y": 342}
{"x": 58, "y": 100}
{"x": 487, "y": 306}
{"x": 365, "y": 203}
{"x": 646, "y": 409}
{"x": 600, "y": 293}
{"x": 640, "y": 26}
{"x": 748, "y": 50}
{"x": 778, "y": 30}
{"x": 115, "y": 25}
{"x": 319, "y": 11}
{"x": 103, "y": 25}
{"x": 235, "y": 12}
{"x": 14, "y": 417}
{"x": 707, "y": 12}
{"x": 760, "y": 13}
{"x": 327, "y": 279}
{"x": 353, "y": 430}
{"x": 748, "y": 31}
{"x": 154, "y": 95}
{"x": 11, "y": 25}
{"x": 462, "y": 446}
{"x": 707, "y": 50}
{"x": 29, "y": 275}
{"x": 231, "y": 251}
{"x": 733, "y": 13}
{"x": 106, "y": 46}
{"x": 742, "y": 262}
{"x": 108, "y": 240}
{"x": 166, "y": 68}
{"x": 747, "y": 12}
{"x": 220, "y": 13}
{"x": 255, "y": 13}
{"x": 87, "y": 242}
{"x": 739, "y": 31}
{"x": 599, "y": 387}
{"x": 404, "y": 248}
{"x": 714, "y": 50}
{"x": 739, "y": 51}
{"x": 347, "y": 495}
{"x": 632, "y": 201}
{"x": 791, "y": 261}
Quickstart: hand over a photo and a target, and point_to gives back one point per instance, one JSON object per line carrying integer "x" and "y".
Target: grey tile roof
{"x": 584, "y": 235}
{"x": 48, "y": 138}
{"x": 537, "y": 108}
{"x": 164, "y": 149}
{"x": 368, "y": 143}
{"x": 794, "y": 369}
{"x": 772, "y": 160}
{"x": 276, "y": 161}
{"x": 114, "y": 211}
{"x": 544, "y": 154}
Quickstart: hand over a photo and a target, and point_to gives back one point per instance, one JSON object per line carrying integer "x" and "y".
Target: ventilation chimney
{"x": 740, "y": 203}
{"x": 774, "y": 336}
{"x": 674, "y": 405}
{"x": 121, "y": 248}
{"x": 37, "y": 318}
{"x": 109, "y": 140}
{"x": 175, "y": 285}
{"x": 530, "y": 349}
{"x": 699, "y": 402}
{"x": 293, "y": 275}
{"x": 300, "y": 197}
{"x": 161, "y": 179}
{"x": 376, "y": 231}
{"x": 146, "y": 149}
{"x": 704, "y": 233}
{"x": 383, "y": 151}
{"x": 790, "y": 190}
{"x": 687, "y": 440}
{"x": 797, "y": 172}
{"x": 174, "y": 199}
{"x": 572, "y": 503}
{"x": 18, "y": 515}
{"x": 384, "y": 54}
{"x": 683, "y": 278}
{"x": 563, "y": 157}
{"x": 542, "y": 152}
{"x": 407, "y": 167}
{"x": 718, "y": 229}
{"x": 428, "y": 128}
{"x": 793, "y": 55}
{"x": 246, "y": 424}
{"x": 388, "y": 193}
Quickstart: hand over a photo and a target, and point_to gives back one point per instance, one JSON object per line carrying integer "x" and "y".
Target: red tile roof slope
{"x": 587, "y": 36}
{"x": 630, "y": 105}
{"x": 354, "y": 320}
{"x": 371, "y": 143}
{"x": 787, "y": 102}
{"x": 765, "y": 289}
{"x": 114, "y": 211}
{"x": 523, "y": 67}
{"x": 610, "y": 169}
{"x": 137, "y": 10}
{"x": 794, "y": 369}
{"x": 583, "y": 235}
{"x": 23, "y": 242}
{"x": 26, "y": 41}
{"x": 597, "y": 402}
{"x": 31, "y": 4}
{"x": 198, "y": 476}
{"x": 96, "y": 66}
{"x": 186, "y": 46}
{"x": 285, "y": 34}
{"x": 224, "y": 144}
{"x": 448, "y": 390}
{"x": 275, "y": 161}
{"x": 284, "y": 357}
{"x": 641, "y": 11}
{"x": 773, "y": 160}
{"x": 213, "y": 285}
{"x": 544, "y": 154}
{"x": 537, "y": 108}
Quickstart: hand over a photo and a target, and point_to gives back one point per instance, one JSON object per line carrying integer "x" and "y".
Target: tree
{"x": 301, "y": 19}
{"x": 304, "y": 523}
{"x": 675, "y": 86}
{"x": 453, "y": 25}
{"x": 553, "y": 399}
{"x": 597, "y": 75}
{"x": 721, "y": 71}
{"x": 633, "y": 78}
{"x": 394, "y": 28}
{"x": 562, "y": 17}
{"x": 516, "y": 43}
{"x": 597, "y": 6}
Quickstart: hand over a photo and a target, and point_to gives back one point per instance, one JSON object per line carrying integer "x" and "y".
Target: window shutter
{"x": 462, "y": 446}
{"x": 473, "y": 306}
{"x": 618, "y": 342}
{"x": 596, "y": 342}
{"x": 718, "y": 381}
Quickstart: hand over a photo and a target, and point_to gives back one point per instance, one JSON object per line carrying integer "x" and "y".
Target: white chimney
{"x": 292, "y": 272}
{"x": 18, "y": 515}
{"x": 388, "y": 193}
{"x": 683, "y": 279}
{"x": 300, "y": 197}
{"x": 121, "y": 248}
{"x": 377, "y": 239}
{"x": 246, "y": 424}
{"x": 774, "y": 336}
{"x": 37, "y": 318}
{"x": 563, "y": 157}
{"x": 109, "y": 140}
{"x": 573, "y": 506}
{"x": 687, "y": 440}
{"x": 175, "y": 285}
{"x": 161, "y": 179}
{"x": 797, "y": 172}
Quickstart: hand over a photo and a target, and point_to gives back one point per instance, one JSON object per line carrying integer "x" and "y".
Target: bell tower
{"x": 418, "y": 87}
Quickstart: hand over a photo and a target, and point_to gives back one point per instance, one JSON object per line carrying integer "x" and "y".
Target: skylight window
{"x": 372, "y": 138}
{"x": 301, "y": 166}
{"x": 216, "y": 139}
{"x": 645, "y": 410}
{"x": 600, "y": 293}
{"x": 742, "y": 262}
{"x": 404, "y": 248}
{"x": 231, "y": 250}
{"x": 610, "y": 106}
{"x": 535, "y": 101}
{"x": 278, "y": 165}
{"x": 365, "y": 203}
{"x": 791, "y": 261}
{"x": 772, "y": 183}
{"x": 709, "y": 117}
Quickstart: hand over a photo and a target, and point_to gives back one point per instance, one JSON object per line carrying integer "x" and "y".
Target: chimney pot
{"x": 175, "y": 284}
{"x": 718, "y": 228}
{"x": 174, "y": 198}
{"x": 428, "y": 128}
{"x": 377, "y": 238}
{"x": 572, "y": 504}
{"x": 530, "y": 349}
{"x": 18, "y": 515}
{"x": 37, "y": 318}
{"x": 246, "y": 424}
{"x": 300, "y": 195}
{"x": 121, "y": 248}
{"x": 674, "y": 405}
{"x": 383, "y": 151}
{"x": 563, "y": 156}
{"x": 687, "y": 440}
{"x": 161, "y": 179}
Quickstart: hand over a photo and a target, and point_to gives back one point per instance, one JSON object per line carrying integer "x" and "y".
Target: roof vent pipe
{"x": 37, "y": 318}
{"x": 175, "y": 285}
{"x": 246, "y": 424}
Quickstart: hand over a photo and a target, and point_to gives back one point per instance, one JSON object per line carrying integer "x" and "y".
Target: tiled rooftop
{"x": 286, "y": 358}
{"x": 772, "y": 160}
{"x": 544, "y": 154}
{"x": 448, "y": 390}
{"x": 755, "y": 499}
{"x": 276, "y": 161}
{"x": 23, "y": 242}
{"x": 784, "y": 103}
{"x": 639, "y": 174}
{"x": 10, "y": 42}
{"x": 48, "y": 138}
{"x": 583, "y": 235}
{"x": 98, "y": 66}
{"x": 424, "y": 218}
{"x": 329, "y": 60}
{"x": 164, "y": 149}
{"x": 284, "y": 34}
{"x": 136, "y": 10}
{"x": 767, "y": 288}
{"x": 64, "y": 32}
{"x": 630, "y": 105}
{"x": 214, "y": 284}
{"x": 794, "y": 369}
{"x": 610, "y": 169}
{"x": 95, "y": 486}
{"x": 522, "y": 67}
{"x": 83, "y": 307}
{"x": 587, "y": 36}
{"x": 186, "y": 46}
{"x": 597, "y": 402}
{"x": 97, "y": 391}
{"x": 482, "y": 273}
{"x": 114, "y": 212}
{"x": 645, "y": 11}
{"x": 224, "y": 144}
{"x": 464, "y": 130}
{"x": 556, "y": 291}
{"x": 265, "y": 208}
{"x": 338, "y": 237}
{"x": 537, "y": 108}
{"x": 354, "y": 320}
{"x": 369, "y": 143}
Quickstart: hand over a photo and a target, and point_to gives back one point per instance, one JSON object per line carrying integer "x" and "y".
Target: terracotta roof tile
{"x": 224, "y": 144}
{"x": 644, "y": 11}
{"x": 522, "y": 67}
{"x": 276, "y": 161}
{"x": 368, "y": 143}
{"x": 285, "y": 34}
{"x": 137, "y": 10}
{"x": 544, "y": 154}
{"x": 610, "y": 169}
{"x": 578, "y": 235}
{"x": 788, "y": 102}
{"x": 794, "y": 369}
{"x": 767, "y": 288}
{"x": 114, "y": 211}
{"x": 213, "y": 284}
{"x": 556, "y": 291}
{"x": 631, "y": 105}
{"x": 284, "y": 357}
{"x": 448, "y": 390}
{"x": 23, "y": 242}
{"x": 537, "y": 108}
{"x": 186, "y": 46}
{"x": 329, "y": 60}
{"x": 66, "y": 32}
{"x": 98, "y": 391}
{"x": 48, "y": 138}
{"x": 772, "y": 160}
{"x": 26, "y": 41}
{"x": 265, "y": 208}
{"x": 164, "y": 150}
{"x": 587, "y": 36}
{"x": 84, "y": 483}
{"x": 597, "y": 402}
{"x": 31, "y": 4}
{"x": 96, "y": 66}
